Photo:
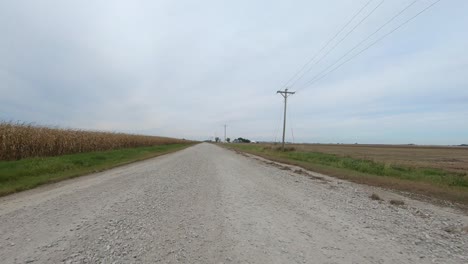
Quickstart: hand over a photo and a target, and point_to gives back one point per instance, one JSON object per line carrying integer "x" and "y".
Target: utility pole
{"x": 225, "y": 133}
{"x": 285, "y": 94}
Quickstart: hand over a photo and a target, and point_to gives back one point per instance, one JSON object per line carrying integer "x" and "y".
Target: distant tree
{"x": 243, "y": 140}
{"x": 217, "y": 139}
{"x": 228, "y": 140}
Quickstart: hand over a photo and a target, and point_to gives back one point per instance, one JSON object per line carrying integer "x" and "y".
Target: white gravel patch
{"x": 206, "y": 204}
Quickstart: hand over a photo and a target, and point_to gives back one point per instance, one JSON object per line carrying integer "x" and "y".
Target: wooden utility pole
{"x": 285, "y": 94}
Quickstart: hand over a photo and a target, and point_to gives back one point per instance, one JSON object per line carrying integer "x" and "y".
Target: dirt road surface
{"x": 206, "y": 204}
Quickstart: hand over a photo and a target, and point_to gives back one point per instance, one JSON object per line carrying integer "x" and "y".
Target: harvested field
{"x": 434, "y": 172}
{"x": 18, "y": 141}
{"x": 453, "y": 159}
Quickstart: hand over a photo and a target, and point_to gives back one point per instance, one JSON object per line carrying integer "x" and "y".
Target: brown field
{"x": 18, "y": 141}
{"x": 430, "y": 173}
{"x": 441, "y": 157}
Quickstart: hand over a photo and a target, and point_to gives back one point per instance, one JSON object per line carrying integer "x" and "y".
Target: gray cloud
{"x": 185, "y": 68}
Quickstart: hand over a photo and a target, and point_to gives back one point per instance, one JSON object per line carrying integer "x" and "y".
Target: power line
{"x": 315, "y": 80}
{"x": 360, "y": 43}
{"x": 339, "y": 42}
{"x": 326, "y": 45}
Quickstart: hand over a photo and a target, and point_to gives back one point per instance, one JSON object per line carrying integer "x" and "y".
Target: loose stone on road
{"x": 206, "y": 204}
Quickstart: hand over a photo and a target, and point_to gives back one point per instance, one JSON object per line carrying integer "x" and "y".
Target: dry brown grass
{"x": 18, "y": 141}
{"x": 418, "y": 174}
{"x": 449, "y": 158}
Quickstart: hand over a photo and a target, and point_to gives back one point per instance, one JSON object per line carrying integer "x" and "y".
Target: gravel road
{"x": 206, "y": 204}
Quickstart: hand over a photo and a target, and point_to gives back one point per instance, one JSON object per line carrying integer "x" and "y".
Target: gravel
{"x": 206, "y": 204}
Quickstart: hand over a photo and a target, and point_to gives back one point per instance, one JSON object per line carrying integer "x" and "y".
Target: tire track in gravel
{"x": 206, "y": 204}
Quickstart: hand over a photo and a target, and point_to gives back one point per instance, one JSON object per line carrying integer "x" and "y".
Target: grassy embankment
{"x": 28, "y": 173}
{"x": 433, "y": 182}
{"x": 35, "y": 155}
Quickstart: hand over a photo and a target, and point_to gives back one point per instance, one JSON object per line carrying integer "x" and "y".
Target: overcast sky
{"x": 186, "y": 68}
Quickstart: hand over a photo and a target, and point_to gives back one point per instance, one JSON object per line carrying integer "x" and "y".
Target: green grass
{"x": 436, "y": 176}
{"x": 429, "y": 181}
{"x": 31, "y": 172}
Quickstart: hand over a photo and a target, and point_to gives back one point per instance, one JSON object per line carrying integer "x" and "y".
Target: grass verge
{"x": 28, "y": 173}
{"x": 430, "y": 182}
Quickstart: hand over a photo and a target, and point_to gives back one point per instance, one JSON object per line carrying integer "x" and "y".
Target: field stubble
{"x": 430, "y": 171}
{"x": 449, "y": 158}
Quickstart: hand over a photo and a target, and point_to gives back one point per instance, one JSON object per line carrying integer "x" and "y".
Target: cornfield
{"x": 18, "y": 141}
